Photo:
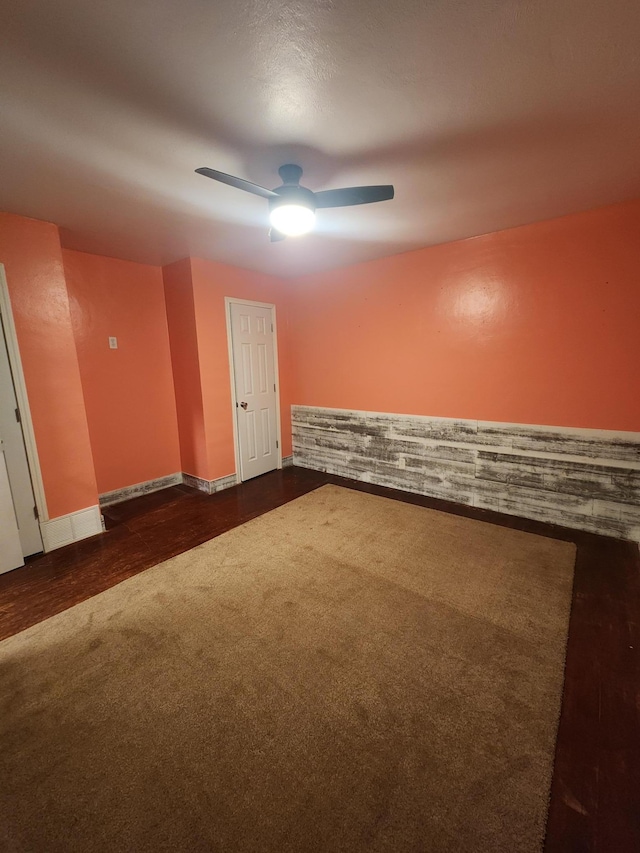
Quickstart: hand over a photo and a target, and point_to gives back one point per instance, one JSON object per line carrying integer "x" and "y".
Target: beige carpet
{"x": 346, "y": 673}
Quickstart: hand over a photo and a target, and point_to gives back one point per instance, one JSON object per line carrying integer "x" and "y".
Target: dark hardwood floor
{"x": 595, "y": 795}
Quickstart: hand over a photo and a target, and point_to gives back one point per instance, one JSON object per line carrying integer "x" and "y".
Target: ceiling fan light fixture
{"x": 292, "y": 208}
{"x": 292, "y": 219}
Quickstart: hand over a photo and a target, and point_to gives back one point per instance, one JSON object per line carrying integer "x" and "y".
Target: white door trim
{"x": 228, "y": 302}
{"x": 22, "y": 397}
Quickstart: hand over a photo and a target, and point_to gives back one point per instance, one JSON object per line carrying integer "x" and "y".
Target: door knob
{"x": 244, "y": 406}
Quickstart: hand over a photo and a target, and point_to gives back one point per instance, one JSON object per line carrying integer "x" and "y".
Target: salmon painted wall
{"x": 211, "y": 283}
{"x": 535, "y": 325}
{"x": 128, "y": 391}
{"x": 185, "y": 360}
{"x": 30, "y": 251}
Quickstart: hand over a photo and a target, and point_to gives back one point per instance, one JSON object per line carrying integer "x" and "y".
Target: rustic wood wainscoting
{"x": 583, "y": 479}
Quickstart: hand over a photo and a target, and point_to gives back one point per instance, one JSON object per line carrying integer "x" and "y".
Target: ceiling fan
{"x": 292, "y": 208}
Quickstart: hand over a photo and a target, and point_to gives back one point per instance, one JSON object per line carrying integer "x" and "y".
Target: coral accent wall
{"x": 185, "y": 360}
{"x": 30, "y": 251}
{"x": 128, "y": 391}
{"x": 535, "y": 325}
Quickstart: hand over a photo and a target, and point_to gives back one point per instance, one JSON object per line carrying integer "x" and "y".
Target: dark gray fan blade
{"x": 353, "y": 195}
{"x": 239, "y": 183}
{"x": 275, "y": 236}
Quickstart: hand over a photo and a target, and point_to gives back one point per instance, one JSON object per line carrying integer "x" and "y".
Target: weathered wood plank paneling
{"x": 592, "y": 444}
{"x": 586, "y": 479}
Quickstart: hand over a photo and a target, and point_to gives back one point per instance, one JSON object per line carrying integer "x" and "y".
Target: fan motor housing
{"x": 290, "y": 174}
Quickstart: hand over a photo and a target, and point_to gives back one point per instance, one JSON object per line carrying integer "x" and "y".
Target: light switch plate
{"x": 113, "y": 343}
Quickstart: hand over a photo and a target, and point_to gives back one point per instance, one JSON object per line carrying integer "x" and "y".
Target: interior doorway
{"x": 254, "y": 383}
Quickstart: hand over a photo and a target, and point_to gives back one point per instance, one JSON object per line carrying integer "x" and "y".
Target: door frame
{"x": 22, "y": 398}
{"x": 228, "y": 302}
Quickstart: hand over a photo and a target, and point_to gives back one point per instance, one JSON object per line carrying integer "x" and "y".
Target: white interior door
{"x": 254, "y": 376}
{"x": 10, "y": 546}
{"x": 15, "y": 463}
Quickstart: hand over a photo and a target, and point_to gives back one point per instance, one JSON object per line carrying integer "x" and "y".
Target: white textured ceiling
{"x": 484, "y": 114}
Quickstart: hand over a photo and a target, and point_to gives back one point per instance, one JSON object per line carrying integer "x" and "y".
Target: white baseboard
{"x": 66, "y": 529}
